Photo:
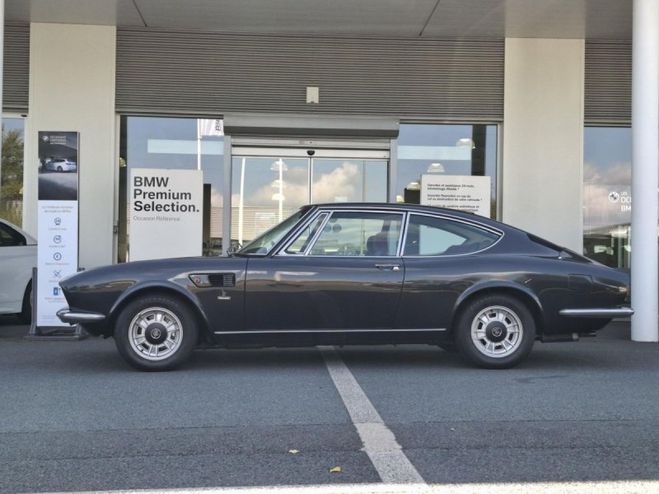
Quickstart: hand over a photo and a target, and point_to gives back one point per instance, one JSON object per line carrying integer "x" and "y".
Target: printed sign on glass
{"x": 165, "y": 213}
{"x": 462, "y": 192}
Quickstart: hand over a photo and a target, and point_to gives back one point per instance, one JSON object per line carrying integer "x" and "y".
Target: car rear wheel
{"x": 495, "y": 331}
{"x": 59, "y": 169}
{"x": 156, "y": 333}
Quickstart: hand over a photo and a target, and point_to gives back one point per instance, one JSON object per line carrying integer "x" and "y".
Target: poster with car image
{"x": 57, "y": 252}
{"x": 58, "y": 166}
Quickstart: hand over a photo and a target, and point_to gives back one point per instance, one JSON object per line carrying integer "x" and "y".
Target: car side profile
{"x": 344, "y": 274}
{"x": 18, "y": 255}
{"x": 61, "y": 165}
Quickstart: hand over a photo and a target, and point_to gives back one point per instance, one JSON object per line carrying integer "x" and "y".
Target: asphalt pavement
{"x": 74, "y": 417}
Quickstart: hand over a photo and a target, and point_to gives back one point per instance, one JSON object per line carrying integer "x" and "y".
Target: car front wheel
{"x": 156, "y": 333}
{"x": 495, "y": 332}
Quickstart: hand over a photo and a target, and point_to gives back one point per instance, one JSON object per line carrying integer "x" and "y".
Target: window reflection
{"x": 264, "y": 192}
{"x": 607, "y": 195}
{"x": 267, "y": 189}
{"x": 174, "y": 143}
{"x": 444, "y": 149}
{"x": 11, "y": 178}
{"x": 349, "y": 180}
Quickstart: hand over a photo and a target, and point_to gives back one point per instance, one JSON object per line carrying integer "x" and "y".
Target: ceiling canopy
{"x": 594, "y": 19}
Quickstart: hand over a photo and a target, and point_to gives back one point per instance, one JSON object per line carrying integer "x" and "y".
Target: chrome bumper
{"x": 598, "y": 313}
{"x": 65, "y": 315}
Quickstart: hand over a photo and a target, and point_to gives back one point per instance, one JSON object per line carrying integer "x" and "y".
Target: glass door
{"x": 270, "y": 184}
{"x": 348, "y": 180}
{"x": 265, "y": 190}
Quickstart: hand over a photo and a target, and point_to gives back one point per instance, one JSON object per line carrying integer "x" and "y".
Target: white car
{"x": 18, "y": 255}
{"x": 61, "y": 165}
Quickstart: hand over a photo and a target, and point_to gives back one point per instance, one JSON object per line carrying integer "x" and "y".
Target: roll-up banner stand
{"x": 57, "y": 237}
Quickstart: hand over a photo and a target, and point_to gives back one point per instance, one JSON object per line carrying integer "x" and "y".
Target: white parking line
{"x": 380, "y": 444}
{"x": 602, "y": 487}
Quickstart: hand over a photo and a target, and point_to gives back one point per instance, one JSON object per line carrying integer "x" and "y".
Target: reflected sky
{"x": 13, "y": 123}
{"x": 607, "y": 147}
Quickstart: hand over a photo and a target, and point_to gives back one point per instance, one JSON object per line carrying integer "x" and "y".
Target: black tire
{"x": 26, "y": 310}
{"x": 59, "y": 169}
{"x": 501, "y": 346}
{"x": 173, "y": 311}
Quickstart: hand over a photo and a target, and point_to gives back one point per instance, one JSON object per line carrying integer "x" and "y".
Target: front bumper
{"x": 598, "y": 313}
{"x": 68, "y": 316}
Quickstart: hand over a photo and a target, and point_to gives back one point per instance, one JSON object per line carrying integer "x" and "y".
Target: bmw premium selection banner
{"x": 165, "y": 213}
{"x": 57, "y": 252}
{"x": 461, "y": 192}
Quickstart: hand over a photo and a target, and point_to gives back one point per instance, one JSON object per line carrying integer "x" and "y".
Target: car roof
{"x": 407, "y": 207}
{"x": 29, "y": 238}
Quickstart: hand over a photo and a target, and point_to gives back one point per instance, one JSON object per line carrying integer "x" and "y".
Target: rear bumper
{"x": 598, "y": 313}
{"x": 65, "y": 315}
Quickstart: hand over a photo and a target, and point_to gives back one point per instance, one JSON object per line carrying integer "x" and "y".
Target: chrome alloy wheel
{"x": 155, "y": 333}
{"x": 497, "y": 331}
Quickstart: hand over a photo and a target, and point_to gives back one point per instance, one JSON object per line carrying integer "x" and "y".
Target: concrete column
{"x": 2, "y": 61}
{"x": 72, "y": 88}
{"x": 645, "y": 175}
{"x": 543, "y": 138}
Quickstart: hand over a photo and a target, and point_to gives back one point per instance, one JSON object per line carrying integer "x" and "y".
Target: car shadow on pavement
{"x": 611, "y": 350}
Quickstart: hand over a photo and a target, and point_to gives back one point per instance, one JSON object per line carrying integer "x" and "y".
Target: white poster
{"x": 165, "y": 213}
{"x": 57, "y": 251}
{"x": 461, "y": 192}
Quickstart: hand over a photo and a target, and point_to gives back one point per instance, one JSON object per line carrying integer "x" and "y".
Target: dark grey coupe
{"x": 355, "y": 274}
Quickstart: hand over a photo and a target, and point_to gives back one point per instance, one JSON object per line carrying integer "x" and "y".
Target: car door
{"x": 340, "y": 272}
{"x": 441, "y": 258}
{"x": 16, "y": 262}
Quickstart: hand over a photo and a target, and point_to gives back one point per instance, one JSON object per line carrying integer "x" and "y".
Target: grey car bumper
{"x": 598, "y": 313}
{"x": 65, "y": 315}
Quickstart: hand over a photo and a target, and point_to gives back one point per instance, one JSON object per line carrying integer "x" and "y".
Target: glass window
{"x": 359, "y": 234}
{"x": 264, "y": 192}
{"x": 607, "y": 195}
{"x": 301, "y": 243}
{"x": 10, "y": 237}
{"x": 267, "y": 189}
{"x": 11, "y": 171}
{"x": 464, "y": 150}
{"x": 175, "y": 143}
{"x": 430, "y": 236}
{"x": 348, "y": 180}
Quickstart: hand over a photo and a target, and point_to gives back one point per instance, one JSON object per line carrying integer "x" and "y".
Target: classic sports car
{"x": 355, "y": 274}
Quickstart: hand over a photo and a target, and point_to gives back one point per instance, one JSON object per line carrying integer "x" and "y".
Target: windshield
{"x": 265, "y": 242}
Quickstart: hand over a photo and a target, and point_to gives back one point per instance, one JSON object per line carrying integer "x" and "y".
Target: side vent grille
{"x": 223, "y": 280}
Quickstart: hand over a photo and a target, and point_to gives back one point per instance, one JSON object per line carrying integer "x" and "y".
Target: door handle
{"x": 390, "y": 267}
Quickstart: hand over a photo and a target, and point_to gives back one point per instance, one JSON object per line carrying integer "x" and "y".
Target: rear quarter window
{"x": 434, "y": 236}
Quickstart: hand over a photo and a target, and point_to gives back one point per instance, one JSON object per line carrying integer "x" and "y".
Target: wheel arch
{"x": 521, "y": 293}
{"x": 169, "y": 289}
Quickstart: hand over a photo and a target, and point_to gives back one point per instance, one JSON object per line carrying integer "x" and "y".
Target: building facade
{"x": 326, "y": 101}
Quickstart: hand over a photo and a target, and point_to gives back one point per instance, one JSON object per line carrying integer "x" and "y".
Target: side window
{"x": 10, "y": 237}
{"x": 430, "y": 236}
{"x": 301, "y": 243}
{"x": 359, "y": 234}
